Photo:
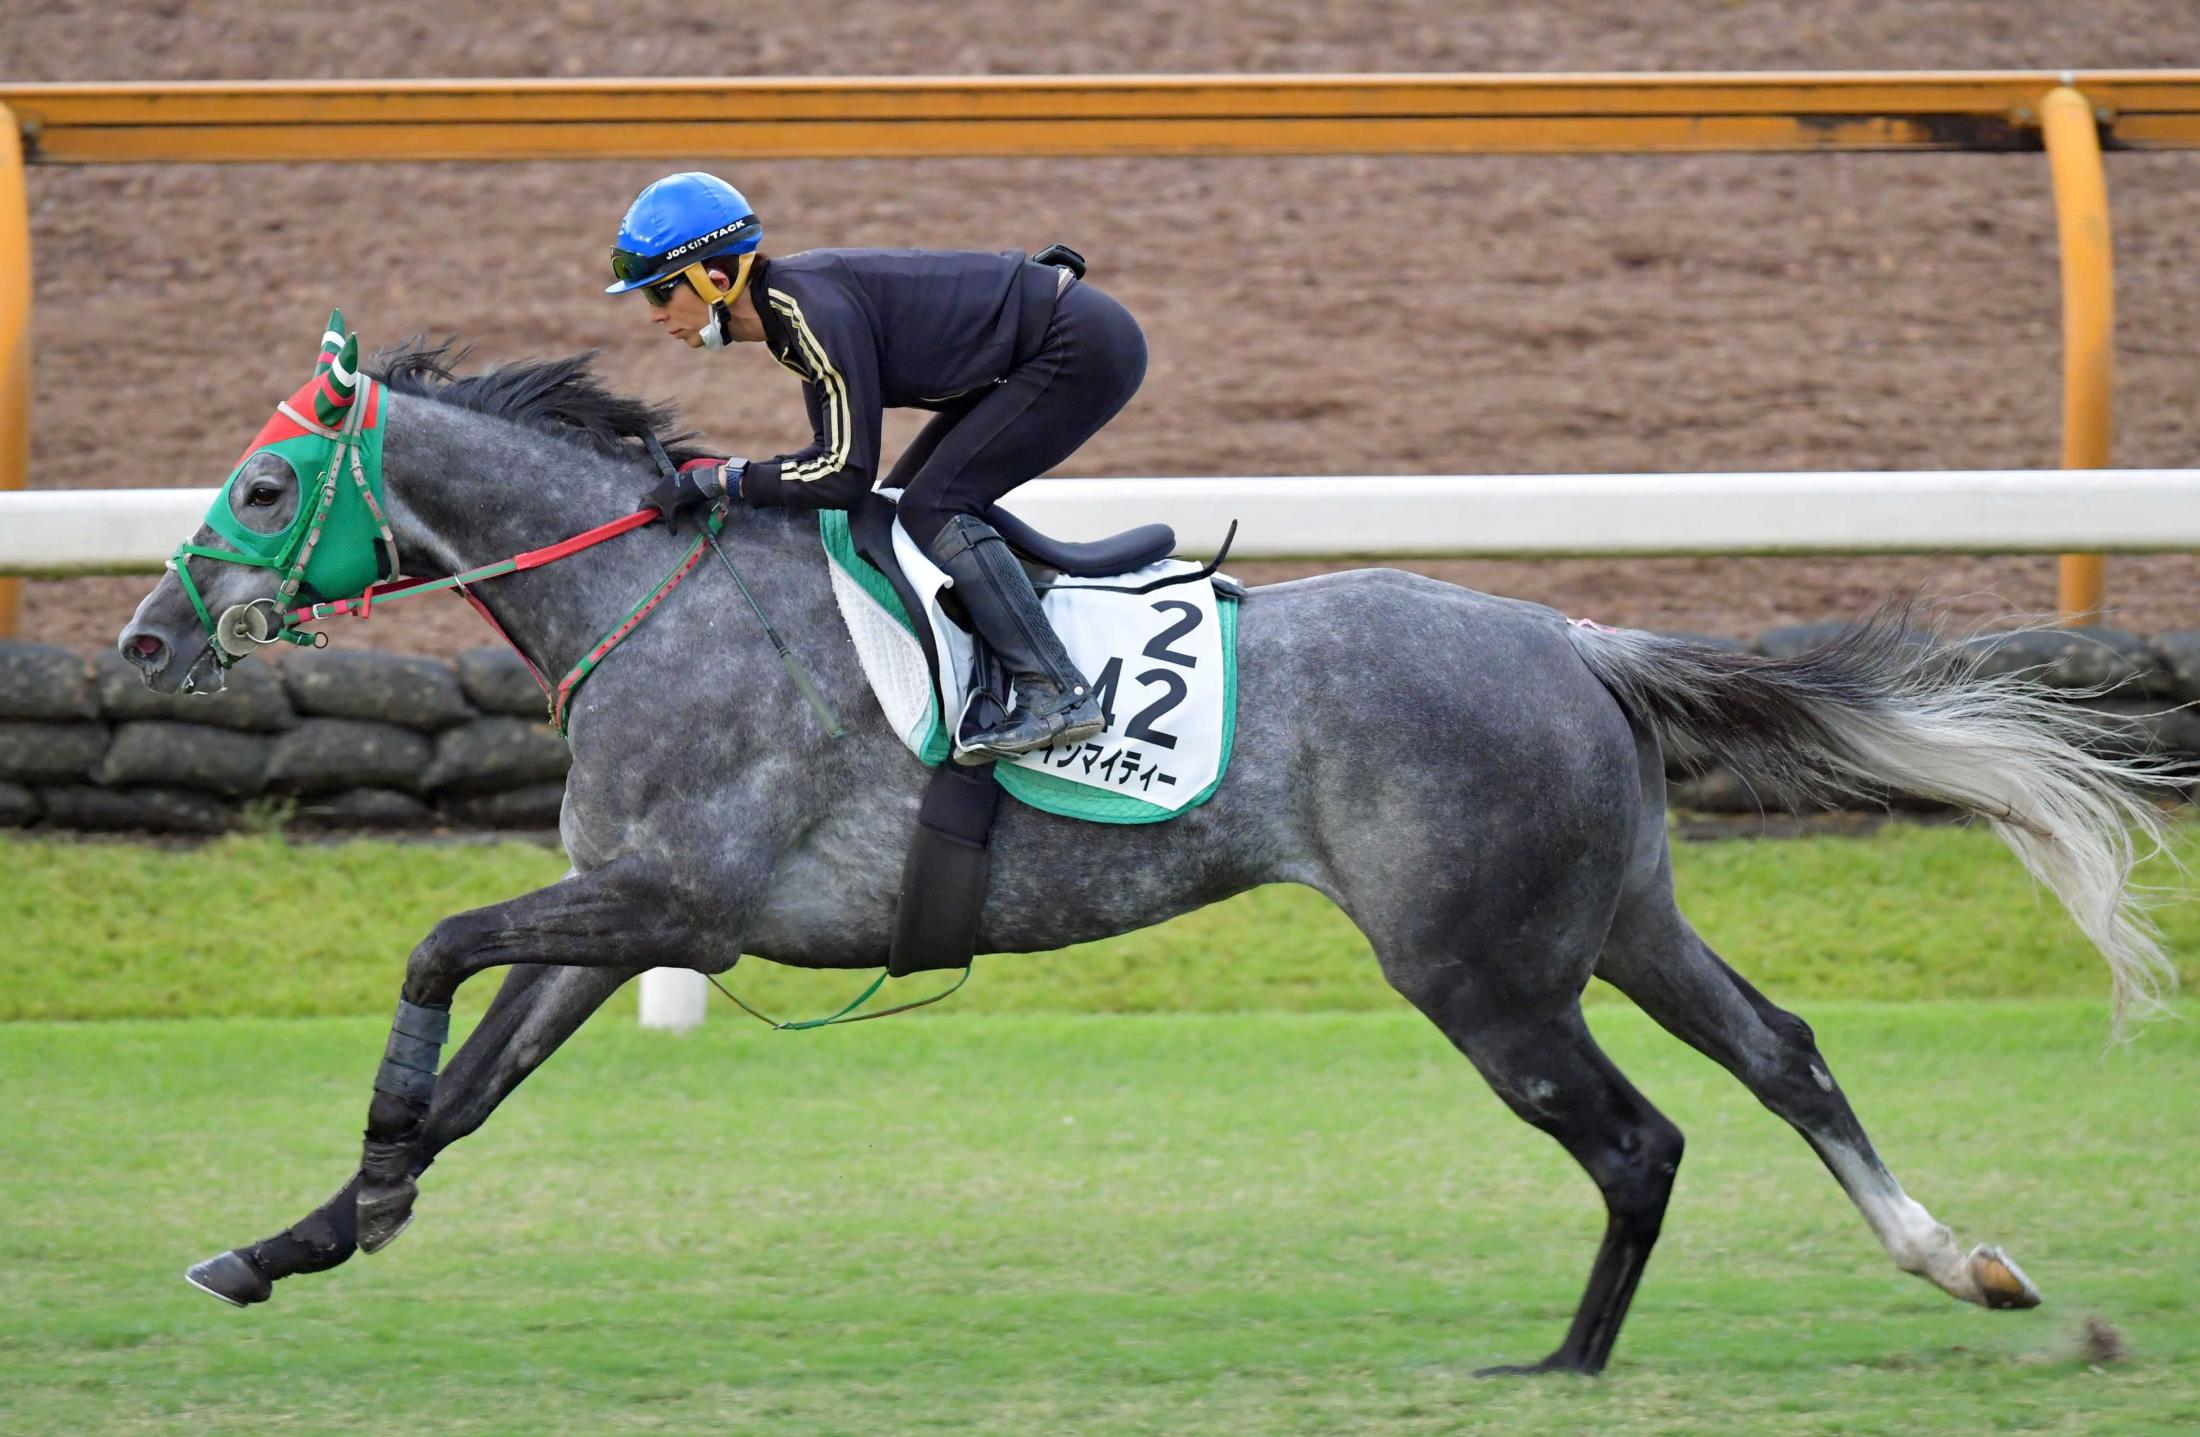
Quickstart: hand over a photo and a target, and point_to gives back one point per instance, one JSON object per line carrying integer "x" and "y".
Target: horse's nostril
{"x": 147, "y": 646}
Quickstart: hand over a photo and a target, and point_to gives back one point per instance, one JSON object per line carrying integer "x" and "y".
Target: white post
{"x": 674, "y": 998}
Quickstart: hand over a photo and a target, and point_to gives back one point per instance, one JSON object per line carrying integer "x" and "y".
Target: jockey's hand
{"x": 697, "y": 485}
{"x": 724, "y": 473}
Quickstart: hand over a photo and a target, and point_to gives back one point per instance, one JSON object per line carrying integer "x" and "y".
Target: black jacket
{"x": 870, "y": 328}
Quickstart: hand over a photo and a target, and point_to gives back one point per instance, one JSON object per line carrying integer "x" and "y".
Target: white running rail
{"x": 53, "y": 532}
{"x": 2048, "y": 511}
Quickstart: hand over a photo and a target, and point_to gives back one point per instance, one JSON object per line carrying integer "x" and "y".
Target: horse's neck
{"x": 466, "y": 490}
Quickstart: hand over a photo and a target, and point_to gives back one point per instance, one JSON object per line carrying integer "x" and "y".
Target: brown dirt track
{"x": 1335, "y": 315}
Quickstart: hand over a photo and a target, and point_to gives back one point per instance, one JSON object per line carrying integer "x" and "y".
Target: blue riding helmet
{"x": 676, "y": 222}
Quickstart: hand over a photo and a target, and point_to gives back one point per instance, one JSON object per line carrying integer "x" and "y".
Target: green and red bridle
{"x": 339, "y": 545}
{"x": 339, "y": 542}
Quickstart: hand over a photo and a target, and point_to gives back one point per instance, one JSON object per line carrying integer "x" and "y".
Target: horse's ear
{"x": 338, "y": 383}
{"x": 332, "y": 343}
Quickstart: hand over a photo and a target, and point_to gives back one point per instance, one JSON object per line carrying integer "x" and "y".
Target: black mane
{"x": 557, "y": 396}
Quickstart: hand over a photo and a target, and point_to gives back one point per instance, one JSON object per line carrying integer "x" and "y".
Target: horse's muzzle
{"x": 153, "y": 653}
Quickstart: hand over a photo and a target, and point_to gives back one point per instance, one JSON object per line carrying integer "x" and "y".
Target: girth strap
{"x": 943, "y": 878}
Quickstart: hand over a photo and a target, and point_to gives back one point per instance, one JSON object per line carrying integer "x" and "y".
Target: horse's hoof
{"x": 384, "y": 1213}
{"x": 231, "y": 1278}
{"x": 2001, "y": 1283}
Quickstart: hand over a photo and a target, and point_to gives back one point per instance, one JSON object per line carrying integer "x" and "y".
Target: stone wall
{"x": 366, "y": 740}
{"x": 328, "y": 739}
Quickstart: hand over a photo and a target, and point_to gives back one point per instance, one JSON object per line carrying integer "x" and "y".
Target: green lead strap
{"x": 806, "y": 1024}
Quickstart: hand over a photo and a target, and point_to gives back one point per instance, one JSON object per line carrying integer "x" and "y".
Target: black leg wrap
{"x": 322, "y": 1240}
{"x": 414, "y": 1020}
{"x": 385, "y": 1162}
{"x": 404, "y": 1084}
{"x": 416, "y": 1053}
{"x": 400, "y": 1081}
{"x": 415, "y": 1049}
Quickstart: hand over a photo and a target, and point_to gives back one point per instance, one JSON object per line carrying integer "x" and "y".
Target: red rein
{"x": 558, "y": 697}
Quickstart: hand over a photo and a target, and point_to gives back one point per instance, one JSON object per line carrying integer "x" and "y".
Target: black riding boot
{"x": 1054, "y": 704}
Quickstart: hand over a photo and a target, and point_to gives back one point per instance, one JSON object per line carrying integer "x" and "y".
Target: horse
{"x": 1477, "y": 782}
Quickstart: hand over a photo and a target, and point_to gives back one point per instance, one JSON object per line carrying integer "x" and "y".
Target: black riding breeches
{"x": 1087, "y": 368}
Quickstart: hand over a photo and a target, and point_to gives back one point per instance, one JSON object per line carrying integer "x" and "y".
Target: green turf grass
{"x": 1233, "y": 1224}
{"x": 258, "y": 926}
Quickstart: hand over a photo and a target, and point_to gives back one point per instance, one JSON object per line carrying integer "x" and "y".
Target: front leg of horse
{"x": 403, "y": 1088}
{"x": 623, "y": 917}
{"x": 534, "y": 1011}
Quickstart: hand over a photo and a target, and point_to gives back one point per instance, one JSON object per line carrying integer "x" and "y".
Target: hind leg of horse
{"x": 1656, "y": 959}
{"x": 534, "y": 1011}
{"x": 1552, "y": 1074}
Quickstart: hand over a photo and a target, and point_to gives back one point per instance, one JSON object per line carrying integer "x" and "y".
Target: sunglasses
{"x": 628, "y": 267}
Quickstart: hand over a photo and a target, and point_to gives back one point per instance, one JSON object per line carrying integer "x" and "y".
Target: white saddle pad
{"x": 1163, "y": 665}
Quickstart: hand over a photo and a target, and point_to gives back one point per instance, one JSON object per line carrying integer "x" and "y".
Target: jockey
{"x": 1018, "y": 360}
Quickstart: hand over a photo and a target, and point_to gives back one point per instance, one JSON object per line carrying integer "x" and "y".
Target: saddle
{"x": 1164, "y": 666}
{"x": 871, "y": 528}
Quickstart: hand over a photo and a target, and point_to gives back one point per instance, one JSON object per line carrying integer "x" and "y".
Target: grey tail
{"x": 1874, "y": 711}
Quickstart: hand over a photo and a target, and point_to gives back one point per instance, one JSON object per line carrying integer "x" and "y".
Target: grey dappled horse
{"x": 1478, "y": 784}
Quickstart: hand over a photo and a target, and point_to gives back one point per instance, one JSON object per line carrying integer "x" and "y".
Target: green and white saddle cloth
{"x": 1163, "y": 663}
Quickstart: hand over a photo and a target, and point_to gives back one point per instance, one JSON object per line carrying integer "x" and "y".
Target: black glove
{"x": 686, "y": 493}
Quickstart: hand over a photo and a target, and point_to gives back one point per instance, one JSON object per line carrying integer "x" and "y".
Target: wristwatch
{"x": 729, "y": 476}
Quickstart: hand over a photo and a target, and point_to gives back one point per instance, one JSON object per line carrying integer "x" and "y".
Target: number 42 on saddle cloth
{"x": 1158, "y": 643}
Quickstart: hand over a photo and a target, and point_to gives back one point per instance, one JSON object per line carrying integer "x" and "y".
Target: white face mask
{"x": 713, "y": 334}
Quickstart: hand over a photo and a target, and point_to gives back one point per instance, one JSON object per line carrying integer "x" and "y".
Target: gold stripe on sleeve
{"x": 838, "y": 428}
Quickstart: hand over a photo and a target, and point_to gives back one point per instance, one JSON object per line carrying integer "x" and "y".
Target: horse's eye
{"x": 261, "y": 493}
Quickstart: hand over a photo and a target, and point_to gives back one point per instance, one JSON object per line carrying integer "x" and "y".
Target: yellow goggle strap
{"x": 698, "y": 278}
